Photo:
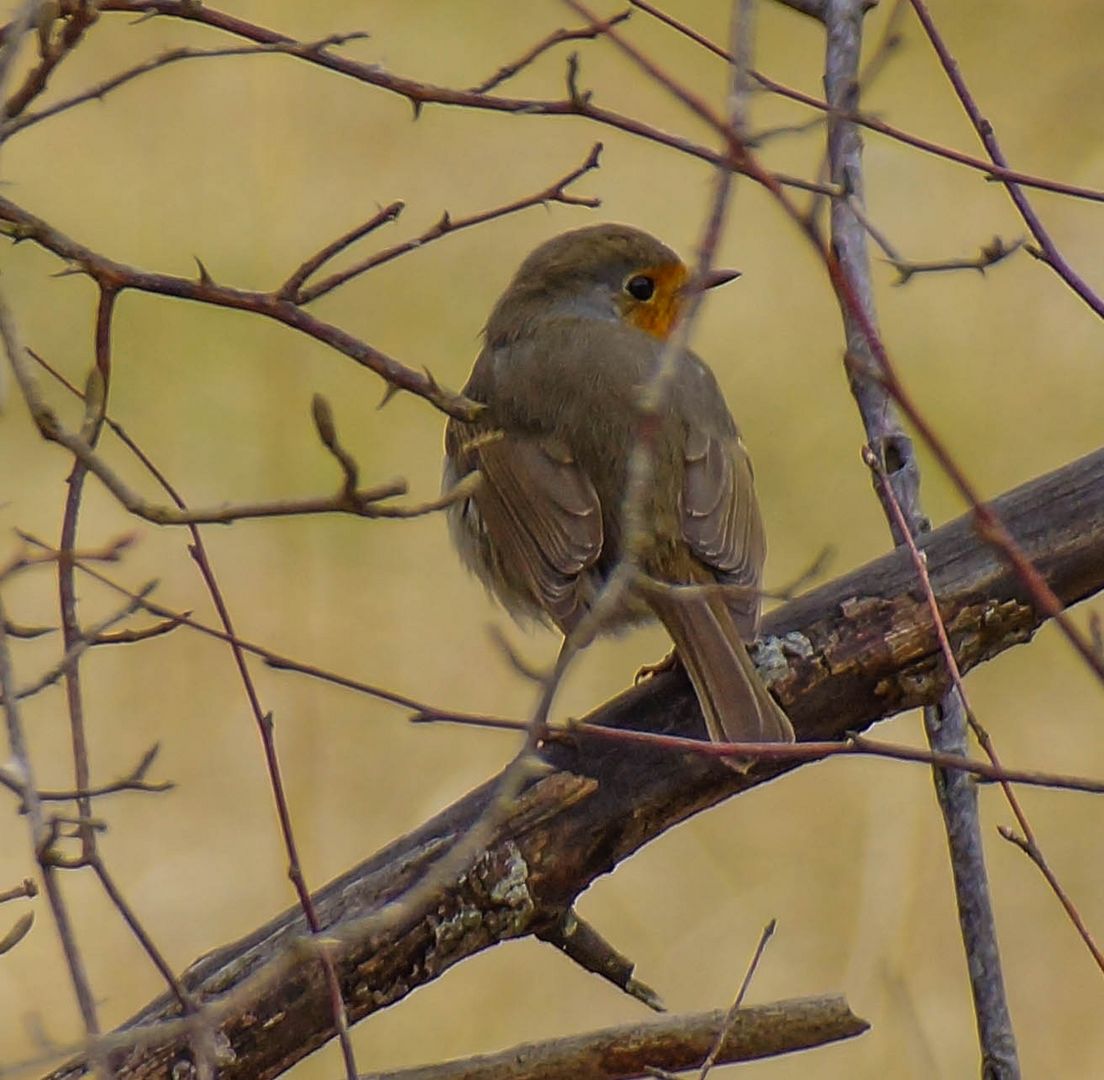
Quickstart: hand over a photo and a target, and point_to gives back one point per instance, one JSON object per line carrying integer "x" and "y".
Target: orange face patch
{"x": 657, "y": 316}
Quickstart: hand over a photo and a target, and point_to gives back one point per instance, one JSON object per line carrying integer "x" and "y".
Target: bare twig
{"x": 816, "y": 568}
{"x": 135, "y": 780}
{"x": 18, "y": 122}
{"x": 290, "y": 288}
{"x": 1026, "y": 843}
{"x": 1052, "y": 256}
{"x": 82, "y": 642}
{"x": 991, "y": 170}
{"x": 988, "y": 254}
{"x": 40, "y": 832}
{"x": 807, "y": 750}
{"x": 557, "y": 37}
{"x": 737, "y": 1002}
{"x": 556, "y": 192}
{"x": 110, "y": 274}
{"x": 131, "y": 637}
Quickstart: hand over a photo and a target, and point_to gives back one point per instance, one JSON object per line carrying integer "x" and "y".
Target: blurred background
{"x": 251, "y": 163}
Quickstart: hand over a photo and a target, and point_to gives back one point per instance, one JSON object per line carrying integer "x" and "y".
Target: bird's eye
{"x": 640, "y": 287}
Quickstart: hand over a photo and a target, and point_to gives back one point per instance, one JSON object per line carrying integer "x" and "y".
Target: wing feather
{"x": 721, "y": 521}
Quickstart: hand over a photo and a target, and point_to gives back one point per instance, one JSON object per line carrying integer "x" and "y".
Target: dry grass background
{"x": 250, "y": 163}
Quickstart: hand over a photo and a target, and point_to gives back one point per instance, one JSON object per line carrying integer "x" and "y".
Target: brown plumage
{"x": 567, "y": 347}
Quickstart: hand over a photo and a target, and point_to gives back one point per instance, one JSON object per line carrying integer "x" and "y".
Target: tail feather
{"x": 734, "y": 700}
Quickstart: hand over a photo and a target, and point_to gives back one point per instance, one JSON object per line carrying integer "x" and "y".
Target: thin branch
{"x": 557, "y": 37}
{"x": 82, "y": 642}
{"x": 988, "y": 254}
{"x": 290, "y": 288}
{"x": 40, "y": 832}
{"x": 734, "y": 1009}
{"x": 27, "y": 633}
{"x": 556, "y": 192}
{"x": 420, "y": 93}
{"x": 808, "y": 750}
{"x": 1052, "y": 256}
{"x": 135, "y": 780}
{"x": 1026, "y": 843}
{"x": 95, "y": 402}
{"x": 992, "y": 171}
{"x": 360, "y": 503}
{"x": 817, "y": 567}
{"x": 131, "y": 637}
{"x": 109, "y": 274}
{"x": 100, "y": 90}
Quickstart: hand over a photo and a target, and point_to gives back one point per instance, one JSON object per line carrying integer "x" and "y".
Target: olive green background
{"x": 251, "y": 163}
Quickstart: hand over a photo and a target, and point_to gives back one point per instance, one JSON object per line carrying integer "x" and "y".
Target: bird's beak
{"x": 717, "y": 277}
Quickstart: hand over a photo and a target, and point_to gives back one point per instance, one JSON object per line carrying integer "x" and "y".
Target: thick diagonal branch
{"x": 856, "y": 650}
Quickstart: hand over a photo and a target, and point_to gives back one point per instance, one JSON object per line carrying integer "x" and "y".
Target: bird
{"x": 567, "y": 349}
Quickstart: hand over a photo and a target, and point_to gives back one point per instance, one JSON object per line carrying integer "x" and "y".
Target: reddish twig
{"x": 290, "y": 288}
{"x": 854, "y": 746}
{"x": 1028, "y": 846}
{"x": 419, "y": 93}
{"x": 992, "y": 170}
{"x": 557, "y": 37}
{"x": 555, "y": 192}
{"x": 1049, "y": 251}
{"x": 1027, "y": 842}
{"x": 17, "y": 123}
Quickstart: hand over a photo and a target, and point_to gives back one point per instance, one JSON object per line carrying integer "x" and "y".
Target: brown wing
{"x": 721, "y": 522}
{"x": 543, "y": 523}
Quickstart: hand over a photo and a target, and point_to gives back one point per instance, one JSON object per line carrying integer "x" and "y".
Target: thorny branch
{"x": 873, "y": 123}
{"x": 104, "y": 272}
{"x": 603, "y": 801}
{"x": 1047, "y": 250}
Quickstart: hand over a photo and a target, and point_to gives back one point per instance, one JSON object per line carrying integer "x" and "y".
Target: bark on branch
{"x": 856, "y": 650}
{"x": 673, "y": 1043}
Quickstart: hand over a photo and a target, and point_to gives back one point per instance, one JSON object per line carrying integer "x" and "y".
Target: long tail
{"x": 735, "y": 702}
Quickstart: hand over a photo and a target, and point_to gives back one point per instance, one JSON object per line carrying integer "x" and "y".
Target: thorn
{"x": 204, "y": 277}
{"x": 416, "y": 104}
{"x": 646, "y": 994}
{"x": 389, "y": 391}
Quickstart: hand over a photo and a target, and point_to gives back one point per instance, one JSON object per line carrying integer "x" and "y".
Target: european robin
{"x": 578, "y": 332}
